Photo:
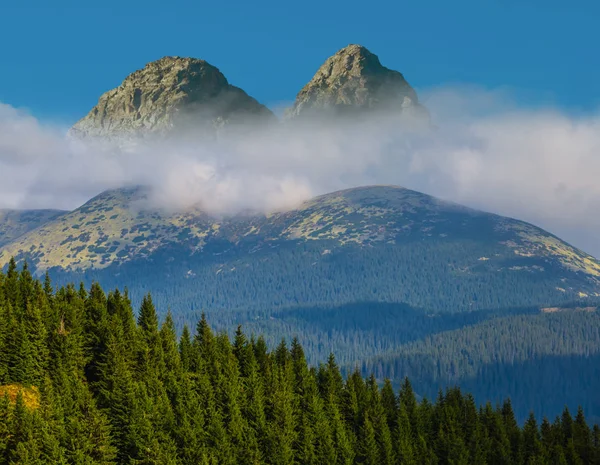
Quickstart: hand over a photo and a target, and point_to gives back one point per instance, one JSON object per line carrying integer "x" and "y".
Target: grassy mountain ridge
{"x": 15, "y": 223}
{"x": 364, "y": 216}
{"x": 379, "y": 243}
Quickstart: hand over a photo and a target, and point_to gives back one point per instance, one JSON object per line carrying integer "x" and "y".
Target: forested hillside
{"x": 542, "y": 361}
{"x": 373, "y": 243}
{"x": 84, "y": 382}
{"x": 362, "y": 272}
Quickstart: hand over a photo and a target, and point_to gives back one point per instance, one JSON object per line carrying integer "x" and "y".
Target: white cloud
{"x": 538, "y": 165}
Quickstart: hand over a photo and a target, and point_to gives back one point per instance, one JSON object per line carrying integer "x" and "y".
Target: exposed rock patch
{"x": 352, "y": 81}
{"x": 170, "y": 95}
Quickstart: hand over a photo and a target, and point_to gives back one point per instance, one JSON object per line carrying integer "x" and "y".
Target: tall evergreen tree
{"x": 532, "y": 445}
{"x": 186, "y": 351}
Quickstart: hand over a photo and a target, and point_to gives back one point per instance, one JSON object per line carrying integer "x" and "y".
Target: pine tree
{"x": 26, "y": 287}
{"x": 282, "y": 434}
{"x": 343, "y": 440}
{"x": 87, "y": 429}
{"x": 147, "y": 320}
{"x": 282, "y": 354}
{"x": 96, "y": 330}
{"x": 407, "y": 398}
{"x": 380, "y": 423}
{"x": 121, "y": 312}
{"x": 389, "y": 403}
{"x": 512, "y": 430}
{"x": 582, "y": 437}
{"x": 450, "y": 444}
{"x": 22, "y": 361}
{"x": 499, "y": 452}
{"x": 261, "y": 353}
{"x": 532, "y": 444}
{"x": 204, "y": 347}
{"x": 119, "y": 396}
{"x": 403, "y": 438}
{"x": 48, "y": 290}
{"x": 242, "y": 351}
{"x": 369, "y": 453}
{"x": 253, "y": 408}
{"x": 425, "y": 433}
{"x": 324, "y": 433}
{"x": 170, "y": 349}
{"x": 596, "y": 445}
{"x": 11, "y": 286}
{"x": 5, "y": 318}
{"x": 330, "y": 380}
{"x": 566, "y": 426}
{"x": 37, "y": 343}
{"x": 186, "y": 351}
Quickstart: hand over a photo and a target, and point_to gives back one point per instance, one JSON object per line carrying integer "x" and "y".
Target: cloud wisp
{"x": 538, "y": 165}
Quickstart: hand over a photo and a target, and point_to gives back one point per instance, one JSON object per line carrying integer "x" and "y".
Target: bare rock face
{"x": 170, "y": 95}
{"x": 354, "y": 81}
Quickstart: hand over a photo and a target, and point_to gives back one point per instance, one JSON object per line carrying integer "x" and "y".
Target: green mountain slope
{"x": 14, "y": 223}
{"x": 378, "y": 243}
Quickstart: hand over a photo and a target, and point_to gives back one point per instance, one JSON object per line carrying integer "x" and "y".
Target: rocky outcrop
{"x": 170, "y": 95}
{"x": 354, "y": 81}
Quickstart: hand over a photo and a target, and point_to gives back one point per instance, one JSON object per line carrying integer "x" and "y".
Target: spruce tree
{"x": 406, "y": 397}
{"x": 582, "y": 437}
{"x": 147, "y": 319}
{"x": 532, "y": 444}
{"x": 499, "y": 452}
{"x": 512, "y": 430}
{"x": 282, "y": 434}
{"x": 389, "y": 403}
{"x": 186, "y": 351}
{"x": 368, "y": 449}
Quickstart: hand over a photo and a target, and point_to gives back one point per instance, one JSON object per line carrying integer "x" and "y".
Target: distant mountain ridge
{"x": 422, "y": 237}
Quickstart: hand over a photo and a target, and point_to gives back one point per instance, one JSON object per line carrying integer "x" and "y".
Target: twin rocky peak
{"x": 188, "y": 95}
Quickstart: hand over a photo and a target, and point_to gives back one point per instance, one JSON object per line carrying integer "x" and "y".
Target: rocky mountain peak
{"x": 172, "y": 94}
{"x": 354, "y": 80}
{"x": 353, "y": 60}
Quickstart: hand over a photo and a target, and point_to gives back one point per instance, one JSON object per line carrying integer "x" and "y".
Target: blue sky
{"x": 58, "y": 57}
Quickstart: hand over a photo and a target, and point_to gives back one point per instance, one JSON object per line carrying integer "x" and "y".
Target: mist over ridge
{"x": 483, "y": 150}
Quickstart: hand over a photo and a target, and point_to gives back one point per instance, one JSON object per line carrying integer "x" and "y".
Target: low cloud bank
{"x": 539, "y": 165}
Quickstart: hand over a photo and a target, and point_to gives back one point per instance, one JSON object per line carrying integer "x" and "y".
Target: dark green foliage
{"x": 542, "y": 361}
{"x": 374, "y": 299}
{"x": 113, "y": 391}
